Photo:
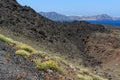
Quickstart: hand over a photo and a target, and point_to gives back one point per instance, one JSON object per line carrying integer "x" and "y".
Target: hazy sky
{"x": 75, "y": 7}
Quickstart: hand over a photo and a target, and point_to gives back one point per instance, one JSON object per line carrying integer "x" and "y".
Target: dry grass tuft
{"x": 50, "y": 64}
{"x": 23, "y": 53}
{"x": 6, "y": 40}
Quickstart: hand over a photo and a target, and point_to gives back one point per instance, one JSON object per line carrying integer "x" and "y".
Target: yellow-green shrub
{"x": 50, "y": 64}
{"x": 25, "y": 47}
{"x": 84, "y": 71}
{"x": 95, "y": 77}
{"x": 84, "y": 77}
{"x": 5, "y": 39}
{"x": 23, "y": 53}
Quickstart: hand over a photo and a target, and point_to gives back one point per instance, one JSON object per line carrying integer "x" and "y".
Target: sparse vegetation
{"x": 25, "y": 50}
{"x": 17, "y": 44}
{"x": 85, "y": 74}
{"x": 45, "y": 61}
{"x": 89, "y": 77}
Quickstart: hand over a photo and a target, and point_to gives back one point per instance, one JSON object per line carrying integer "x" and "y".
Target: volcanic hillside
{"x": 65, "y": 38}
{"x": 79, "y": 43}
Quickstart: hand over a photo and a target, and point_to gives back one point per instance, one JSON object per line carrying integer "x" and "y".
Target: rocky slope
{"x": 57, "y": 37}
{"x": 14, "y": 67}
{"x": 20, "y": 61}
{"x": 105, "y": 48}
{"x": 70, "y": 41}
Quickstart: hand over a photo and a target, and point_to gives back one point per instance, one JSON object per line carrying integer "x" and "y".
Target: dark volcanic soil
{"x": 14, "y": 67}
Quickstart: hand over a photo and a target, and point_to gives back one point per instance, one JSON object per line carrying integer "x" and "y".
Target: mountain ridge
{"x": 56, "y": 17}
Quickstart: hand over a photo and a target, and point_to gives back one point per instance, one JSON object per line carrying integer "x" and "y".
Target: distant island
{"x": 60, "y": 17}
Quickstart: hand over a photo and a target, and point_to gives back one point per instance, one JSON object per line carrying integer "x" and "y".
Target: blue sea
{"x": 106, "y": 22}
